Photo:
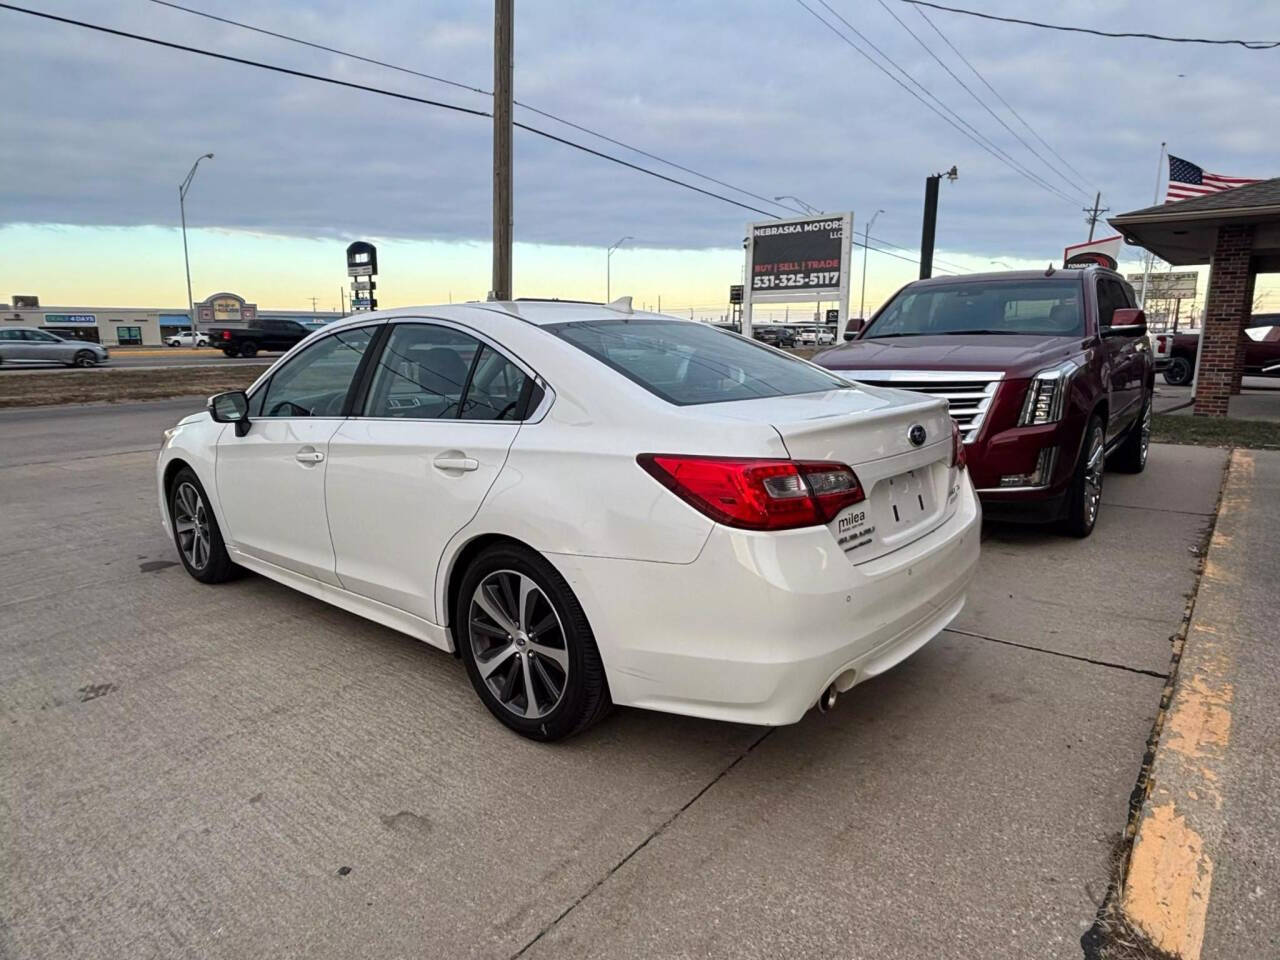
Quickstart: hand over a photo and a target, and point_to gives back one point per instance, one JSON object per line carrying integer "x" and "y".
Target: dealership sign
{"x": 1100, "y": 253}
{"x": 1167, "y": 286}
{"x": 70, "y": 320}
{"x": 798, "y": 261}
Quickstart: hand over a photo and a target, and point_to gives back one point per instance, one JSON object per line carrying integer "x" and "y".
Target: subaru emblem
{"x": 917, "y": 435}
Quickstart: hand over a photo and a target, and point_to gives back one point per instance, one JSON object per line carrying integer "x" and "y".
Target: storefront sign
{"x": 70, "y": 320}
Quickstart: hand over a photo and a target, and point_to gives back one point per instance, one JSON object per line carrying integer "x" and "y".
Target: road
{"x": 241, "y": 771}
{"x": 153, "y": 360}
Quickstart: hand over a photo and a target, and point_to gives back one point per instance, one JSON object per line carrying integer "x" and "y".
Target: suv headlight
{"x": 1047, "y": 394}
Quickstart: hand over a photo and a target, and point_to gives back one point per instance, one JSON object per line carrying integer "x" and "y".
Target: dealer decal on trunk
{"x": 853, "y": 532}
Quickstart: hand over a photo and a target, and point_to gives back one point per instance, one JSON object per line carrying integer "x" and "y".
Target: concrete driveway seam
{"x": 653, "y": 835}
{"x": 1058, "y": 653}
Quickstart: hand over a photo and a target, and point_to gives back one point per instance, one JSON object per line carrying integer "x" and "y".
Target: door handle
{"x": 309, "y": 456}
{"x": 465, "y": 464}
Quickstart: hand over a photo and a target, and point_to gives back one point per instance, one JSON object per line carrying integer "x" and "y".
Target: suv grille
{"x": 969, "y": 393}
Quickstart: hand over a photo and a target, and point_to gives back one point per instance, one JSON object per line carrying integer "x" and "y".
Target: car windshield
{"x": 690, "y": 363}
{"x": 1048, "y": 306}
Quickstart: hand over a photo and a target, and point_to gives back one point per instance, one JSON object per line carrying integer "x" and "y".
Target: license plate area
{"x": 898, "y": 509}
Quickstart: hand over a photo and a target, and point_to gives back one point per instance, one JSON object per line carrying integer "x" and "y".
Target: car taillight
{"x": 958, "y": 458}
{"x": 226, "y": 334}
{"x": 1162, "y": 343}
{"x": 757, "y": 494}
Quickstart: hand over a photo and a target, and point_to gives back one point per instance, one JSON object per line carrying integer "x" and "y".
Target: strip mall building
{"x": 143, "y": 326}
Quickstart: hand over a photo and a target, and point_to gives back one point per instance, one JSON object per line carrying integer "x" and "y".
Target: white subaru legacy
{"x": 588, "y": 505}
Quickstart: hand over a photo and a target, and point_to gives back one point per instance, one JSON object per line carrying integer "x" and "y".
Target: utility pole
{"x": 930, "y": 225}
{"x": 183, "y": 187}
{"x": 866, "y": 238}
{"x": 503, "y": 15}
{"x": 1095, "y": 212}
{"x": 313, "y": 302}
{"x": 342, "y": 299}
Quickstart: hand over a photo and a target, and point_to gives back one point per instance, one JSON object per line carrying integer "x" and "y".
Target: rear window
{"x": 689, "y": 363}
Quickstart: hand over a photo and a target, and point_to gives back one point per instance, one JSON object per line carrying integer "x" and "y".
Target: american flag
{"x": 1188, "y": 180}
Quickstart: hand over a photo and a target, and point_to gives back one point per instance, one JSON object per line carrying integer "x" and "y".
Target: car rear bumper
{"x": 757, "y": 627}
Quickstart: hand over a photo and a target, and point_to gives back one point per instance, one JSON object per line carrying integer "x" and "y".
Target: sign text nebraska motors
{"x": 800, "y": 255}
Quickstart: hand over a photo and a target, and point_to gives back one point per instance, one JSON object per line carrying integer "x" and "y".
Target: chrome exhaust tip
{"x": 828, "y": 699}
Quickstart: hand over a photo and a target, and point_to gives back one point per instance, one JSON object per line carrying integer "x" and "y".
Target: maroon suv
{"x": 1048, "y": 374}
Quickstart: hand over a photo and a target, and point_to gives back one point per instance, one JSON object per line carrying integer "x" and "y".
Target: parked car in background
{"x": 32, "y": 345}
{"x": 807, "y": 337}
{"x": 187, "y": 339}
{"x": 590, "y": 506}
{"x": 1047, "y": 375}
{"x": 826, "y": 336}
{"x": 1175, "y": 353}
{"x": 774, "y": 335}
{"x": 266, "y": 334}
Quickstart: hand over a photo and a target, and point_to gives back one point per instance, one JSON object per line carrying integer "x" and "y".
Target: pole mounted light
{"x": 183, "y": 187}
{"x": 808, "y": 207}
{"x": 608, "y": 257}
{"x": 866, "y": 236}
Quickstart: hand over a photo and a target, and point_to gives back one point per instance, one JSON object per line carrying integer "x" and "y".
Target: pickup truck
{"x": 1048, "y": 374}
{"x": 268, "y": 334}
{"x": 1175, "y": 353}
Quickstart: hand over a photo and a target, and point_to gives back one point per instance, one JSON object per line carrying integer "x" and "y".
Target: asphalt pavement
{"x": 242, "y": 771}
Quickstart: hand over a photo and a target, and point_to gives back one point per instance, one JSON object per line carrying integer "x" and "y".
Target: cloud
{"x": 758, "y": 94}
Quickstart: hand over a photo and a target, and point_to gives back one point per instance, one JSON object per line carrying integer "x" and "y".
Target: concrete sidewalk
{"x": 1204, "y": 874}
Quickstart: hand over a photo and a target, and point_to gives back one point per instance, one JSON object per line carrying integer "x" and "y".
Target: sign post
{"x": 798, "y": 261}
{"x": 362, "y": 262}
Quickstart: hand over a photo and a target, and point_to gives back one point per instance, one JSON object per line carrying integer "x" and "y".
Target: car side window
{"x": 1110, "y": 298}
{"x": 497, "y": 389}
{"x": 10, "y": 334}
{"x": 316, "y": 381}
{"x": 421, "y": 373}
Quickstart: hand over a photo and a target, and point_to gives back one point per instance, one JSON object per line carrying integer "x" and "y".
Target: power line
{"x": 976, "y": 138}
{"x": 1247, "y": 44}
{"x": 981, "y": 102}
{"x": 471, "y": 89}
{"x": 1008, "y": 106}
{"x": 384, "y": 92}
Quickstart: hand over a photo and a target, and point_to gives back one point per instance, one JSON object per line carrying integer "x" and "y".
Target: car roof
{"x": 537, "y": 312}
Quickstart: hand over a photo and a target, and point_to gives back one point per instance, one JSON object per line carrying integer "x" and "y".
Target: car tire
{"x": 229, "y": 352}
{"x": 1084, "y": 495}
{"x": 1179, "y": 372}
{"x": 204, "y": 554}
{"x": 1131, "y": 457}
{"x": 84, "y": 358}
{"x": 557, "y": 657}
{"x": 248, "y": 349}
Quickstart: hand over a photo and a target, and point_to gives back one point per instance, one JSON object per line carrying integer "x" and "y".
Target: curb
{"x": 1169, "y": 879}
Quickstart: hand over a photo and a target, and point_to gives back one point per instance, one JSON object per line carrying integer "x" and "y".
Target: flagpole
{"x": 1146, "y": 272}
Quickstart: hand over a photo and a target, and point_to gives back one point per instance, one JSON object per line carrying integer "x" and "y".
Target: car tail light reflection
{"x": 958, "y": 459}
{"x": 757, "y": 494}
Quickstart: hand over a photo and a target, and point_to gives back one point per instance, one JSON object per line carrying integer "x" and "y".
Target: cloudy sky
{"x": 96, "y": 132}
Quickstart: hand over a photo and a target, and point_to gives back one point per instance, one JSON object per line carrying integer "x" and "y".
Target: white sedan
{"x": 589, "y": 505}
{"x": 187, "y": 339}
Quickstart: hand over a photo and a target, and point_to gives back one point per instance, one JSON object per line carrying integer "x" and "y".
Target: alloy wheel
{"x": 1145, "y": 439}
{"x": 519, "y": 644}
{"x": 1093, "y": 477}
{"x": 191, "y": 521}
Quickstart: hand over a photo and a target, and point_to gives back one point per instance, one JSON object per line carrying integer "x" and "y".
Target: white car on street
{"x": 589, "y": 505}
{"x": 187, "y": 339}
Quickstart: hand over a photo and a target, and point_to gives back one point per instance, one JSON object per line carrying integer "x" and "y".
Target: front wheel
{"x": 1178, "y": 372}
{"x": 528, "y": 648}
{"x": 85, "y": 358}
{"x": 196, "y": 533}
{"x": 1084, "y": 496}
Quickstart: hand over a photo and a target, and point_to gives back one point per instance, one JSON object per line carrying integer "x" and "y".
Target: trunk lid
{"x": 910, "y": 488}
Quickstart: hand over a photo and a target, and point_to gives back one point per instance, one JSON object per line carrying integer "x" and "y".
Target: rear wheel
{"x": 196, "y": 533}
{"x": 248, "y": 349}
{"x": 1178, "y": 372}
{"x": 1084, "y": 496}
{"x": 528, "y": 648}
{"x": 1132, "y": 455}
{"x": 228, "y": 351}
{"x": 84, "y": 358}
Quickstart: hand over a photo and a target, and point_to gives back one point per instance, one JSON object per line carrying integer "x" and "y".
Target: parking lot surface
{"x": 242, "y": 771}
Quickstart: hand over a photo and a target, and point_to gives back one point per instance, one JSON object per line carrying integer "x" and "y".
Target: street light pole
{"x": 808, "y": 207}
{"x": 608, "y": 279}
{"x": 931, "y": 220}
{"x": 183, "y": 187}
{"x": 866, "y": 235}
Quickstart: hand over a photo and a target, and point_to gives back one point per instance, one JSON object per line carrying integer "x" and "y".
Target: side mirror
{"x": 1127, "y": 322}
{"x": 853, "y": 328}
{"x": 231, "y": 407}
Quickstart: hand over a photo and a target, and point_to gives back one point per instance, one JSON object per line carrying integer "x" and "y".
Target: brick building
{"x": 1236, "y": 232}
